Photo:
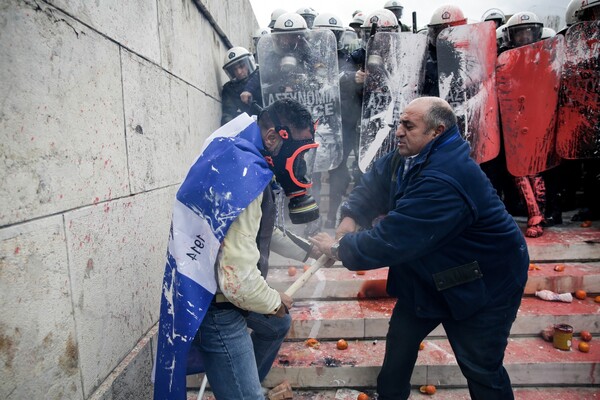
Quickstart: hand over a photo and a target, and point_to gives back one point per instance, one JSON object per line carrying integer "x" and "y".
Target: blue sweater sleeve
{"x": 371, "y": 197}
{"x": 431, "y": 213}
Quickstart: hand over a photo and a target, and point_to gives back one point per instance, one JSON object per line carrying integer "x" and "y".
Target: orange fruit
{"x": 311, "y": 342}
{"x": 362, "y": 396}
{"x": 559, "y": 268}
{"x": 292, "y": 271}
{"x": 361, "y": 272}
{"x": 580, "y": 294}
{"x": 306, "y": 267}
{"x": 533, "y": 267}
{"x": 584, "y": 347}
{"x": 597, "y": 299}
{"x": 421, "y": 345}
{"x": 586, "y": 336}
{"x": 342, "y": 344}
{"x": 586, "y": 224}
{"x": 427, "y": 389}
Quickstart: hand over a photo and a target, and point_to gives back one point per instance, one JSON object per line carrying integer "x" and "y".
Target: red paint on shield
{"x": 578, "y": 131}
{"x": 528, "y": 78}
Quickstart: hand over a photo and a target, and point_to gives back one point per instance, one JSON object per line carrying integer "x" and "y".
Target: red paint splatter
{"x": 96, "y": 200}
{"x": 17, "y": 250}
{"x": 373, "y": 289}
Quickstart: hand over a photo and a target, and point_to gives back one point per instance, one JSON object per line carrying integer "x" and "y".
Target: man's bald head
{"x": 436, "y": 112}
{"x": 421, "y": 121}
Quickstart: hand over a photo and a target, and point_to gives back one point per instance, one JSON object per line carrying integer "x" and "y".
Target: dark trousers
{"x": 478, "y": 343}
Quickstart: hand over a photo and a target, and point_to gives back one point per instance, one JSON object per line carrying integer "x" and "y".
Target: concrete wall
{"x": 103, "y": 106}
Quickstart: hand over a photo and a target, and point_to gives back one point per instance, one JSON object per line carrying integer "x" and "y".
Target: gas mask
{"x": 292, "y": 168}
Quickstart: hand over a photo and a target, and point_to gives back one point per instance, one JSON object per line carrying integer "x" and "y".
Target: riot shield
{"x": 466, "y": 71}
{"x": 304, "y": 66}
{"x": 395, "y": 68}
{"x": 528, "y": 79}
{"x": 578, "y": 129}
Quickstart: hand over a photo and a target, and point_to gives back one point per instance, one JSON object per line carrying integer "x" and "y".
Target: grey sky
{"x": 473, "y": 9}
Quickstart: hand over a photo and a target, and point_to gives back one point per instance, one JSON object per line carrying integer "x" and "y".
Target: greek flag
{"x": 228, "y": 175}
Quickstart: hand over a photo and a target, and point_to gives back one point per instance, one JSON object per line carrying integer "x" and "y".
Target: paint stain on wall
{"x": 89, "y": 267}
{"x": 7, "y": 350}
{"x": 69, "y": 360}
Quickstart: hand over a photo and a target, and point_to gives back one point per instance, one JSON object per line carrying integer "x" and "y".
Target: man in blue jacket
{"x": 455, "y": 256}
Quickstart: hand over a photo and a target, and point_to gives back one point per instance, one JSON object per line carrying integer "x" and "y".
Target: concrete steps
{"x": 543, "y": 393}
{"x": 338, "y": 282}
{"x": 529, "y": 360}
{"x": 361, "y": 319}
{"x": 336, "y": 303}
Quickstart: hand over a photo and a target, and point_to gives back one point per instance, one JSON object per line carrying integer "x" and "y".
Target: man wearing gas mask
{"x": 245, "y": 159}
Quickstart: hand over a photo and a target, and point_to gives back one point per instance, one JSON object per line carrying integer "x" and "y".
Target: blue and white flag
{"x": 226, "y": 177}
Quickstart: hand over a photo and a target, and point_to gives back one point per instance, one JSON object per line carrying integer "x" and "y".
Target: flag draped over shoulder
{"x": 226, "y": 177}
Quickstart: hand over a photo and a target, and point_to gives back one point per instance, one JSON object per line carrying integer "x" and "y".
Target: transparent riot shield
{"x": 395, "y": 67}
{"x": 466, "y": 68}
{"x": 303, "y": 65}
{"x": 578, "y": 129}
{"x": 528, "y": 79}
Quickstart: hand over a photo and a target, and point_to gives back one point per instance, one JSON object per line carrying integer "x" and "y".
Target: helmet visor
{"x": 289, "y": 42}
{"x": 240, "y": 69}
{"x": 521, "y": 35}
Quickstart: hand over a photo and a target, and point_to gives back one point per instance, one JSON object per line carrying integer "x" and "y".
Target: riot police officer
{"x": 239, "y": 66}
{"x": 496, "y": 15}
{"x": 309, "y": 14}
{"x": 442, "y": 18}
{"x": 521, "y": 29}
{"x": 339, "y": 178}
{"x": 395, "y": 7}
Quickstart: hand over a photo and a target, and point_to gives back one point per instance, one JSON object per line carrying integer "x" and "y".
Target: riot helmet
{"x": 500, "y": 36}
{"x": 260, "y": 32}
{"x": 293, "y": 160}
{"x": 356, "y": 23}
{"x": 494, "y": 14}
{"x": 276, "y": 14}
{"x": 333, "y": 23}
{"x": 521, "y": 29}
{"x": 570, "y": 13}
{"x": 589, "y": 10}
{"x": 383, "y": 20}
{"x": 395, "y": 7}
{"x": 238, "y": 64}
{"x": 309, "y": 14}
{"x": 548, "y": 33}
{"x": 442, "y": 18}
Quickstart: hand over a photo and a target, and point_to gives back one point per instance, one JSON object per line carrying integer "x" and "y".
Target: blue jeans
{"x": 478, "y": 343}
{"x": 235, "y": 359}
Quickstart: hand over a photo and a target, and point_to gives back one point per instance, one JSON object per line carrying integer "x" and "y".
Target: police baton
{"x": 414, "y": 15}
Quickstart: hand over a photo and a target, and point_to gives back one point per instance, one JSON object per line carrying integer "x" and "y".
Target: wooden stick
{"x": 306, "y": 275}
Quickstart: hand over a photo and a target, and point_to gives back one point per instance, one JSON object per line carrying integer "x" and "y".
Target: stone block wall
{"x": 103, "y": 107}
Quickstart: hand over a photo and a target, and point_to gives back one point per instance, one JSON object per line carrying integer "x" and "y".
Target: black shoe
{"x": 551, "y": 221}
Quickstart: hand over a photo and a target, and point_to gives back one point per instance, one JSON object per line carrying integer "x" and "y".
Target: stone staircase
{"x": 337, "y": 303}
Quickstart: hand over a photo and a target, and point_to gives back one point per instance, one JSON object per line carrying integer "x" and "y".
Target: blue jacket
{"x": 450, "y": 244}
